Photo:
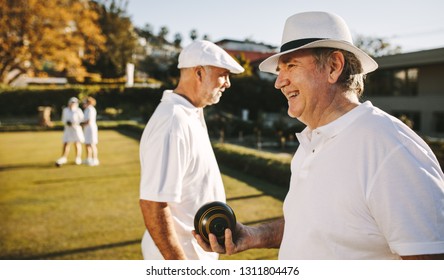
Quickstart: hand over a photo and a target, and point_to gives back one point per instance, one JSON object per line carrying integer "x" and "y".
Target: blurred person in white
{"x": 91, "y": 131}
{"x": 72, "y": 117}
{"x": 179, "y": 172}
{"x": 363, "y": 184}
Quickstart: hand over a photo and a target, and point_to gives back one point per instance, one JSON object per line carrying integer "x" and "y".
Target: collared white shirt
{"x": 363, "y": 187}
{"x": 178, "y": 166}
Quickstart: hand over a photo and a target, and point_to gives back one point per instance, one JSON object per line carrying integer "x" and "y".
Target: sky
{"x": 412, "y": 25}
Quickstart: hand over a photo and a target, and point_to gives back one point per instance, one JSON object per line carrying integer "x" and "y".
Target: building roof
{"x": 246, "y": 42}
{"x": 427, "y": 57}
{"x": 251, "y": 56}
{"x": 251, "y": 51}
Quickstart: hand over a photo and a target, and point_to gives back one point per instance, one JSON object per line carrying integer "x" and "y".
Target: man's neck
{"x": 340, "y": 105}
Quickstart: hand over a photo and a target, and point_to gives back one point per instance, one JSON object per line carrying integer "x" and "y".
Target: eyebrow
{"x": 284, "y": 60}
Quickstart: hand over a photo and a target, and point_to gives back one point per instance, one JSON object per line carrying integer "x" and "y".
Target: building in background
{"x": 251, "y": 51}
{"x": 410, "y": 86}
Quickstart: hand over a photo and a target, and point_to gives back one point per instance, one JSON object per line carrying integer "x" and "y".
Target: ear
{"x": 198, "y": 72}
{"x": 336, "y": 66}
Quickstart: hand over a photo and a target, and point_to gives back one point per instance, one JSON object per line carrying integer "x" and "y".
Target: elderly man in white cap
{"x": 179, "y": 172}
{"x": 363, "y": 184}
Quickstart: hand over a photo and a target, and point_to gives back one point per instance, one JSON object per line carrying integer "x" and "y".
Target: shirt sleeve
{"x": 407, "y": 202}
{"x": 162, "y": 167}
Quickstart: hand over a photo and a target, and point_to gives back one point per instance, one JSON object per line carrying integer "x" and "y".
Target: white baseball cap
{"x": 203, "y": 53}
{"x": 317, "y": 30}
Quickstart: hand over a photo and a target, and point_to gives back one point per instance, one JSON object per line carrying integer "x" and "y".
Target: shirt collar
{"x": 170, "y": 96}
{"x": 332, "y": 129}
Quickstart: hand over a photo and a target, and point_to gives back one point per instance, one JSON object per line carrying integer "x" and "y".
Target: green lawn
{"x": 81, "y": 212}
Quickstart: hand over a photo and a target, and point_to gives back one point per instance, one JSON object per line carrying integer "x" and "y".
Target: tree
{"x": 146, "y": 32}
{"x": 193, "y": 34}
{"x": 177, "y": 40}
{"x": 245, "y": 63}
{"x": 47, "y": 36}
{"x": 163, "y": 32}
{"x": 376, "y": 46}
{"x": 121, "y": 39}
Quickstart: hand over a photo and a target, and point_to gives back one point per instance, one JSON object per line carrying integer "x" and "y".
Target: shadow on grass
{"x": 245, "y": 197}
{"x": 72, "y": 251}
{"x": 134, "y": 134}
{"x": 38, "y": 165}
{"x": 277, "y": 192}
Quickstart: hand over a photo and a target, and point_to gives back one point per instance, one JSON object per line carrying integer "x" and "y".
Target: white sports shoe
{"x": 92, "y": 162}
{"x": 61, "y": 161}
{"x": 78, "y": 161}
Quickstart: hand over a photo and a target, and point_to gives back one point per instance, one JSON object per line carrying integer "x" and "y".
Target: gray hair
{"x": 351, "y": 78}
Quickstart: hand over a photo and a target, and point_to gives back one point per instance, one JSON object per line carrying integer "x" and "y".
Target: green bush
{"x": 263, "y": 165}
{"x": 130, "y": 102}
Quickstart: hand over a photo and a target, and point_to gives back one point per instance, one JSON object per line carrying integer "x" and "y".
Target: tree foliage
{"x": 48, "y": 36}
{"x": 121, "y": 39}
{"x": 157, "y": 58}
{"x": 376, "y": 46}
{"x": 193, "y": 34}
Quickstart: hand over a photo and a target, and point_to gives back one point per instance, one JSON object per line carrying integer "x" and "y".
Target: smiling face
{"x": 305, "y": 85}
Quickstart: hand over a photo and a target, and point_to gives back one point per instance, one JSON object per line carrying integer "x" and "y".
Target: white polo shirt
{"x": 178, "y": 166}
{"x": 363, "y": 187}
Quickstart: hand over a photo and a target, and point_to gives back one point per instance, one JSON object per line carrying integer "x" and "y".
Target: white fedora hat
{"x": 317, "y": 30}
{"x": 203, "y": 53}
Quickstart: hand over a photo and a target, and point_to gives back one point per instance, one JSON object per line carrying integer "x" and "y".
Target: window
{"x": 392, "y": 82}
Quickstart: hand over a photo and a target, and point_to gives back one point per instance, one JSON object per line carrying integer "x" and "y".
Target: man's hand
{"x": 267, "y": 235}
{"x": 243, "y": 240}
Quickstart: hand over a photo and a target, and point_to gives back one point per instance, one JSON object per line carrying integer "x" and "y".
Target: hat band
{"x": 298, "y": 43}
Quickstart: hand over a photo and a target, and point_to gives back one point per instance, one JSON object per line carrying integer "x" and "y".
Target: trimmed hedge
{"x": 263, "y": 165}
{"x": 245, "y": 93}
{"x": 132, "y": 102}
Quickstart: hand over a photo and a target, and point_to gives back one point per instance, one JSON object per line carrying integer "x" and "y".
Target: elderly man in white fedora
{"x": 179, "y": 172}
{"x": 363, "y": 184}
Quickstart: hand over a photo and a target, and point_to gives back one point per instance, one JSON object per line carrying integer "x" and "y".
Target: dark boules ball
{"x": 214, "y": 217}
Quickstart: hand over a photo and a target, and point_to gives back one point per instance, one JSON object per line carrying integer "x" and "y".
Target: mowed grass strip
{"x": 81, "y": 212}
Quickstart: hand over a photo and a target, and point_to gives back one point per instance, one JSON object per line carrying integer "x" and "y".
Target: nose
{"x": 281, "y": 81}
{"x": 227, "y": 81}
